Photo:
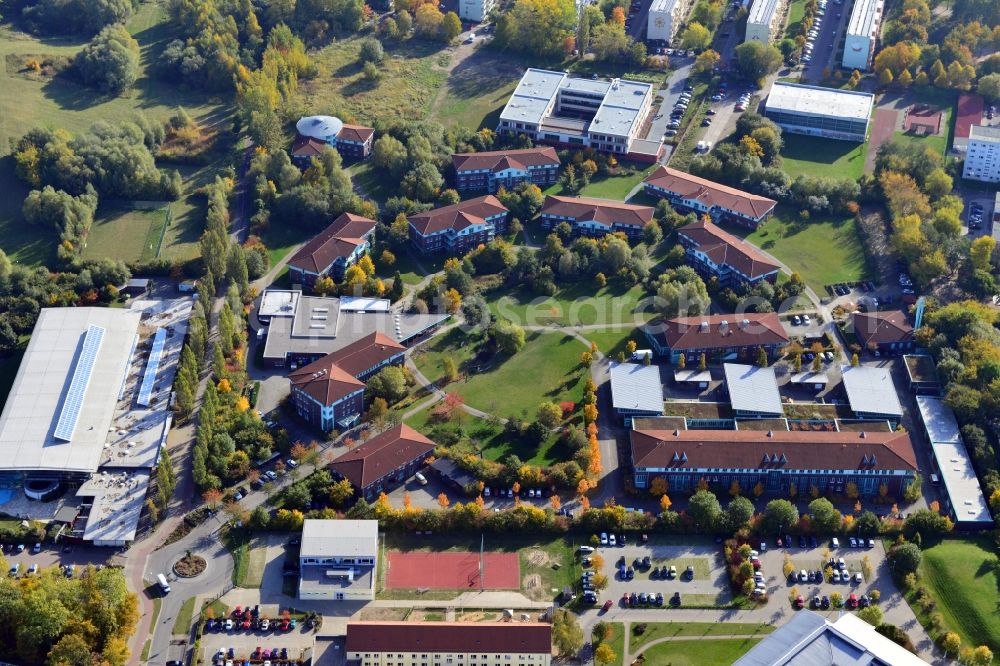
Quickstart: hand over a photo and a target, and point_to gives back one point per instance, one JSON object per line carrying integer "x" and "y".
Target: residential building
{"x": 550, "y": 107}
{"x": 665, "y": 17}
{"x": 968, "y": 113}
{"x": 338, "y": 560}
{"x": 491, "y": 171}
{"x": 384, "y": 461}
{"x": 871, "y": 393}
{"x": 325, "y": 396}
{"x": 753, "y": 391}
{"x": 728, "y": 258}
{"x": 883, "y": 333}
{"x": 964, "y": 500}
{"x": 330, "y": 252}
{"x": 687, "y": 193}
{"x": 777, "y": 459}
{"x": 862, "y": 34}
{"x": 595, "y": 218}
{"x": 449, "y": 643}
{"x": 351, "y": 141}
{"x": 458, "y": 228}
{"x": 368, "y": 355}
{"x": 636, "y": 390}
{"x": 764, "y": 22}
{"x": 727, "y": 337}
{"x": 816, "y": 111}
{"x": 982, "y": 158}
{"x": 475, "y": 11}
{"x": 811, "y": 638}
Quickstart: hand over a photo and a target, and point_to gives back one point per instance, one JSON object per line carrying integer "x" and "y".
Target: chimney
{"x": 704, "y": 327}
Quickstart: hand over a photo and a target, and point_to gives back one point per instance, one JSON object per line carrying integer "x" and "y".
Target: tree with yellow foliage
{"x": 224, "y": 386}
{"x": 658, "y": 486}
{"x": 665, "y": 503}
{"x": 367, "y": 265}
{"x": 242, "y": 404}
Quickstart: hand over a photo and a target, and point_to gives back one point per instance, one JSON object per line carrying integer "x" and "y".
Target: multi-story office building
{"x": 595, "y": 217}
{"x": 982, "y": 158}
{"x": 862, "y": 34}
{"x": 384, "y": 461}
{"x": 458, "y": 228}
{"x": 764, "y": 21}
{"x": 490, "y": 171}
{"x": 716, "y": 336}
{"x": 719, "y": 254}
{"x": 337, "y": 560}
{"x": 332, "y": 250}
{"x": 665, "y": 16}
{"x": 816, "y": 111}
{"x": 722, "y": 203}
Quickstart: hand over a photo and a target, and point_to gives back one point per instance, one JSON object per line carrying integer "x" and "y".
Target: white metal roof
{"x": 363, "y": 303}
{"x": 620, "y": 109}
{"x": 278, "y": 303}
{"x": 990, "y": 133}
{"x": 663, "y": 6}
{"x": 636, "y": 387}
{"x": 762, "y": 12}
{"x": 817, "y": 101}
{"x": 28, "y": 422}
{"x": 871, "y": 390}
{"x": 534, "y": 93}
{"x": 339, "y": 538}
{"x": 753, "y": 389}
{"x": 865, "y": 18}
{"x": 809, "y": 377}
{"x": 117, "y": 499}
{"x": 319, "y": 127}
{"x": 939, "y": 420}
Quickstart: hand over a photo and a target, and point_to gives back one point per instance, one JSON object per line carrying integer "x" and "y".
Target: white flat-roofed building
{"x": 636, "y": 390}
{"x": 665, "y": 16}
{"x": 817, "y": 111}
{"x": 551, "y": 107}
{"x": 764, "y": 21}
{"x": 63, "y": 400}
{"x": 871, "y": 393}
{"x": 964, "y": 496}
{"x": 862, "y": 34}
{"x": 982, "y": 156}
{"x": 278, "y": 303}
{"x": 337, "y": 560}
{"x": 753, "y": 391}
{"x": 475, "y": 10}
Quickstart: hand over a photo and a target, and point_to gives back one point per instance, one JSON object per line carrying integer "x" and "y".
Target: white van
{"x": 421, "y": 479}
{"x": 162, "y": 581}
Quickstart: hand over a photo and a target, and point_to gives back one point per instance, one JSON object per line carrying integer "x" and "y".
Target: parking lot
{"x": 48, "y": 556}
{"x": 297, "y": 644}
{"x": 824, "y": 45}
{"x": 978, "y": 214}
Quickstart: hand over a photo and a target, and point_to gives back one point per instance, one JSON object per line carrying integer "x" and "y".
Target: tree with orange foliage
{"x": 585, "y": 502}
{"x": 480, "y": 502}
{"x": 582, "y": 487}
{"x": 935, "y": 506}
{"x": 212, "y": 497}
{"x": 665, "y": 503}
{"x": 857, "y": 507}
{"x": 618, "y": 16}
{"x": 658, "y": 486}
{"x": 516, "y": 487}
{"x": 407, "y": 500}
{"x": 443, "y": 500}
{"x": 555, "y": 502}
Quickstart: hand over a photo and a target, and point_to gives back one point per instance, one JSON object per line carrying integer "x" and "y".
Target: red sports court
{"x": 452, "y": 571}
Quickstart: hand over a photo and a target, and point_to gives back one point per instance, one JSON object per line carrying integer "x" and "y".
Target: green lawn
{"x": 616, "y": 641}
{"x": 657, "y": 630}
{"x": 796, "y": 12}
{"x": 182, "y": 625}
{"x": 238, "y": 543}
{"x": 475, "y": 92}
{"x": 962, "y": 577}
{"x": 282, "y": 240}
{"x": 121, "y": 232}
{"x": 823, "y": 250}
{"x": 812, "y": 156}
{"x": 500, "y": 384}
{"x": 938, "y": 143}
{"x": 718, "y": 652}
{"x": 612, "y": 341}
{"x": 575, "y": 303}
{"x": 611, "y": 187}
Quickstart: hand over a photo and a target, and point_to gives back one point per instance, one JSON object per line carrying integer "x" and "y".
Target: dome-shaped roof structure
{"x": 319, "y": 127}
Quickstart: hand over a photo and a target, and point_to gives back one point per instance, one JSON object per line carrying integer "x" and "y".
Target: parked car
{"x": 799, "y": 601}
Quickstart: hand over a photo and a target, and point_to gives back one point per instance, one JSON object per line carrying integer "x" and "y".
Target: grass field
{"x": 126, "y": 234}
{"x": 811, "y": 156}
{"x": 575, "y": 303}
{"x": 551, "y": 360}
{"x": 796, "y": 12}
{"x": 238, "y": 543}
{"x": 823, "y": 250}
{"x": 705, "y": 652}
{"x": 962, "y": 577}
{"x": 610, "y": 187}
{"x": 612, "y": 341}
{"x": 616, "y": 641}
{"x": 657, "y": 630}
{"x": 475, "y": 92}
{"x": 182, "y": 625}
{"x": 938, "y": 143}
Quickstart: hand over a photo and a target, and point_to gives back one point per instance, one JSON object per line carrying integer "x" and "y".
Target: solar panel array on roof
{"x": 73, "y": 403}
{"x": 152, "y": 367}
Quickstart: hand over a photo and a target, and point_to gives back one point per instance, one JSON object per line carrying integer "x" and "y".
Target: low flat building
{"x": 753, "y": 391}
{"x": 449, "y": 643}
{"x": 922, "y": 374}
{"x": 810, "y": 638}
{"x": 325, "y": 396}
{"x": 337, "y": 560}
{"x": 816, "y": 111}
{"x": 982, "y": 157}
{"x": 727, "y": 337}
{"x": 636, "y": 390}
{"x": 595, "y": 218}
{"x": 384, "y": 461}
{"x": 776, "y": 459}
{"x": 688, "y": 193}
{"x": 665, "y": 17}
{"x": 764, "y": 22}
{"x": 458, "y": 228}
{"x": 871, "y": 393}
{"x": 136, "y": 287}
{"x": 697, "y": 378}
{"x": 964, "y": 500}
{"x": 351, "y": 141}
{"x": 330, "y": 252}
{"x": 451, "y": 473}
{"x": 719, "y": 254}
{"x": 814, "y": 381}
{"x": 862, "y": 34}
{"x": 883, "y": 333}
{"x": 505, "y": 169}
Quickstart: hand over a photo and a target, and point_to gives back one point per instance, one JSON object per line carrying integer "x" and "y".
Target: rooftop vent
{"x": 745, "y": 323}
{"x": 704, "y": 326}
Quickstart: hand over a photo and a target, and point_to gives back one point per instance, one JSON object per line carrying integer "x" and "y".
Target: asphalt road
{"x": 671, "y": 92}
{"x": 824, "y": 52}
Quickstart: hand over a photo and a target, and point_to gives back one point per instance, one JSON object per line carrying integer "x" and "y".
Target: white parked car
{"x": 604, "y": 538}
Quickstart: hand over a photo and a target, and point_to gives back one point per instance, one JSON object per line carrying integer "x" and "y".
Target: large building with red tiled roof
{"x": 717, "y": 253}
{"x": 595, "y": 217}
{"x": 326, "y": 396}
{"x": 490, "y": 171}
{"x": 458, "y": 228}
{"x": 332, "y": 250}
{"x": 379, "y": 643}
{"x": 883, "y": 332}
{"x": 722, "y": 203}
{"x": 716, "y": 336}
{"x": 776, "y": 459}
{"x": 365, "y": 357}
{"x": 383, "y": 461}
{"x": 316, "y": 132}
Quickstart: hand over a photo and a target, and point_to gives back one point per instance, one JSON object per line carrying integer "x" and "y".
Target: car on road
{"x": 14, "y": 568}
{"x": 607, "y": 606}
{"x": 271, "y": 474}
{"x": 586, "y": 549}
{"x": 852, "y": 601}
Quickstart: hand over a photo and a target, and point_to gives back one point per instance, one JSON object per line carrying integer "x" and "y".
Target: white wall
{"x": 856, "y": 51}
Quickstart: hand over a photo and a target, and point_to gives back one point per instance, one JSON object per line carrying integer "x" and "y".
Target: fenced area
{"x": 452, "y": 571}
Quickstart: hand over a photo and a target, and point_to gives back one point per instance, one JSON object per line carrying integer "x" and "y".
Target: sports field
{"x": 452, "y": 571}
{"x": 126, "y": 234}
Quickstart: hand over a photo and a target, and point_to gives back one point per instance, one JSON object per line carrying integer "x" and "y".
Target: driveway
{"x": 825, "y": 46}
{"x": 670, "y": 93}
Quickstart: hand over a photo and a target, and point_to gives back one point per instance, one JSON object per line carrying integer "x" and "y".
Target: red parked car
{"x": 800, "y": 602}
{"x": 607, "y": 606}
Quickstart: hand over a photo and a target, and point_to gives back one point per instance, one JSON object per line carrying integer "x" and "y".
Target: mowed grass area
{"x": 823, "y": 250}
{"x": 938, "y": 143}
{"x": 612, "y": 341}
{"x": 547, "y": 369}
{"x": 125, "y": 233}
{"x": 656, "y": 630}
{"x": 182, "y": 625}
{"x": 962, "y": 577}
{"x": 477, "y": 89}
{"x": 614, "y": 187}
{"x": 61, "y": 102}
{"x": 616, "y": 641}
{"x": 796, "y": 12}
{"x": 576, "y": 303}
{"x": 412, "y": 75}
{"x": 704, "y": 652}
{"x": 812, "y": 156}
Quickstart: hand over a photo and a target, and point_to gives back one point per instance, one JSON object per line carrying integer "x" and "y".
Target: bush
{"x": 905, "y": 559}
{"x": 896, "y": 635}
{"x": 371, "y": 51}
{"x": 110, "y": 62}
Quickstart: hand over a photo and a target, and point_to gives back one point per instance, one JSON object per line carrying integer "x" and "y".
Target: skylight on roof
{"x": 73, "y": 403}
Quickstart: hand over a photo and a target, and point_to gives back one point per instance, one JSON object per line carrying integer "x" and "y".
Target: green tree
{"x": 779, "y": 516}
{"x": 872, "y": 615}
{"x": 981, "y": 251}
{"x": 340, "y": 492}
{"x": 755, "y": 60}
{"x": 826, "y": 519}
{"x": 388, "y": 383}
{"x": 451, "y": 27}
{"x": 549, "y": 414}
{"x": 739, "y": 512}
{"x": 989, "y": 86}
{"x": 905, "y": 558}
{"x": 371, "y": 51}
{"x": 696, "y": 36}
{"x": 537, "y": 27}
{"x": 509, "y": 337}
{"x": 704, "y": 509}
{"x": 567, "y": 636}
{"x": 110, "y": 62}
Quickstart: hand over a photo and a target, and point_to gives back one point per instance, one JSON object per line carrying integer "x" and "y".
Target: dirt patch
{"x": 190, "y": 566}
{"x": 384, "y": 614}
{"x": 537, "y": 558}
{"x": 532, "y": 582}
